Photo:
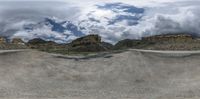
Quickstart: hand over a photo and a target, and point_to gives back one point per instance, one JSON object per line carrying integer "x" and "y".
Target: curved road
{"x": 133, "y": 74}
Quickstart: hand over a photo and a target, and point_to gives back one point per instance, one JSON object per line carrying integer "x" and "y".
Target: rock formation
{"x": 18, "y": 41}
{"x": 168, "y": 37}
{"x": 36, "y": 41}
{"x": 90, "y": 43}
{"x": 128, "y": 43}
{"x": 41, "y": 44}
{"x": 86, "y": 40}
{"x": 3, "y": 40}
{"x": 162, "y": 42}
{"x": 93, "y": 43}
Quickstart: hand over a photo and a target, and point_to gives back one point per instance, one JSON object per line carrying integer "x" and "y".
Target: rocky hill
{"x": 173, "y": 42}
{"x": 90, "y": 43}
{"x": 93, "y": 43}
{"x": 129, "y": 43}
{"x": 169, "y": 38}
{"x": 16, "y": 43}
{"x": 162, "y": 42}
{"x": 43, "y": 45}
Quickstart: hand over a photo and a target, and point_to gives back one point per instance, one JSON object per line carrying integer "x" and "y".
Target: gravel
{"x": 133, "y": 74}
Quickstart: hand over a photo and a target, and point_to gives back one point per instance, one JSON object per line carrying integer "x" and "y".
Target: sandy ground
{"x": 134, "y": 74}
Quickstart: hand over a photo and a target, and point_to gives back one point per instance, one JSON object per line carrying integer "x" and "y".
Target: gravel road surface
{"x": 133, "y": 74}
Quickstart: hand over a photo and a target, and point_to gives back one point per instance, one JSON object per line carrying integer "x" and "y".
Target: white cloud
{"x": 161, "y": 16}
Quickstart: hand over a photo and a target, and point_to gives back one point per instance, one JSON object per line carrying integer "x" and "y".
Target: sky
{"x": 114, "y": 20}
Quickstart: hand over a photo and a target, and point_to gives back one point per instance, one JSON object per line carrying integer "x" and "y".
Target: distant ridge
{"x": 179, "y": 41}
{"x": 93, "y": 43}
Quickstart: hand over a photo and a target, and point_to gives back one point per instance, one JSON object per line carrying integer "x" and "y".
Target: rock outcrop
{"x": 107, "y": 45}
{"x": 93, "y": 43}
{"x": 169, "y": 38}
{"x": 41, "y": 44}
{"x": 128, "y": 43}
{"x": 3, "y": 40}
{"x": 14, "y": 44}
{"x": 18, "y": 41}
{"x": 162, "y": 42}
{"x": 90, "y": 43}
{"x": 36, "y": 41}
{"x": 86, "y": 40}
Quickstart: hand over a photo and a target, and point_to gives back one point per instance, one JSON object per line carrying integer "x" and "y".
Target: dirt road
{"x": 134, "y": 74}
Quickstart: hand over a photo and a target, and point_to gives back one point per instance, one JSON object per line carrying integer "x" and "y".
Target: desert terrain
{"x": 131, "y": 74}
{"x": 99, "y": 49}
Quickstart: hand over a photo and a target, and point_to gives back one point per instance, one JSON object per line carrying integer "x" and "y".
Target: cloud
{"x": 14, "y": 14}
{"x": 176, "y": 17}
{"x": 179, "y": 17}
{"x": 114, "y": 20}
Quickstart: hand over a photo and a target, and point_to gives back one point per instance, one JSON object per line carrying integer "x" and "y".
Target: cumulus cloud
{"x": 179, "y": 17}
{"x": 114, "y": 20}
{"x": 14, "y": 14}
